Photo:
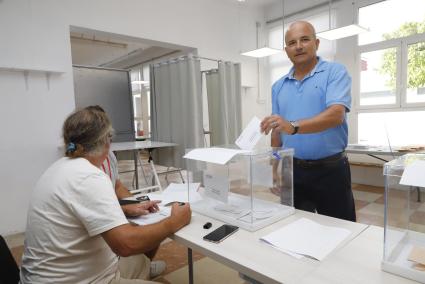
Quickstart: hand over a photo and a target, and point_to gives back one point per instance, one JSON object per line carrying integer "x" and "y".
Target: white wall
{"x": 35, "y": 34}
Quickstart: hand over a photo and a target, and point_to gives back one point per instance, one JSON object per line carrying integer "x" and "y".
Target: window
{"x": 384, "y": 19}
{"x": 377, "y": 86}
{"x": 391, "y": 128}
{"x": 391, "y": 61}
{"x": 141, "y": 100}
{"x": 415, "y": 92}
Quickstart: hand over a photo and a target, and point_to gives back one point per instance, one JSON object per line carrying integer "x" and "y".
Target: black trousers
{"x": 324, "y": 186}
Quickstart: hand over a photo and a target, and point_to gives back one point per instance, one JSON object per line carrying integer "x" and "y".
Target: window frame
{"x": 401, "y": 44}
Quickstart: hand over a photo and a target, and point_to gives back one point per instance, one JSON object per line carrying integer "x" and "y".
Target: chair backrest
{"x": 9, "y": 270}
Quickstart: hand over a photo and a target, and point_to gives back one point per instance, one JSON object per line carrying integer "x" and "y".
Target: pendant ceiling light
{"x": 265, "y": 50}
{"x": 342, "y": 32}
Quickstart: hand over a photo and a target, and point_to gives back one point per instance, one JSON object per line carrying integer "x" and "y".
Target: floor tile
{"x": 206, "y": 271}
{"x": 418, "y": 217}
{"x": 366, "y": 196}
{"x": 370, "y": 219}
{"x": 360, "y": 204}
{"x": 175, "y": 255}
{"x": 373, "y": 209}
{"x": 367, "y": 188}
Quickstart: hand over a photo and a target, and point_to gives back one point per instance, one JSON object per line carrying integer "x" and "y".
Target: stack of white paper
{"x": 307, "y": 238}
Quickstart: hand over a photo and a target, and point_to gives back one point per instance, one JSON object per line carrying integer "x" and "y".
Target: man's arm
{"x": 121, "y": 191}
{"x": 331, "y": 117}
{"x": 134, "y": 210}
{"x": 127, "y": 239}
{"x": 276, "y": 141}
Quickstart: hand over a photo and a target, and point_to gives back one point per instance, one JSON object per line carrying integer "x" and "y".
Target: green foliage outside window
{"x": 416, "y": 57}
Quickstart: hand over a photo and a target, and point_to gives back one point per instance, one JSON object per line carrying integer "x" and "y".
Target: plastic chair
{"x": 9, "y": 270}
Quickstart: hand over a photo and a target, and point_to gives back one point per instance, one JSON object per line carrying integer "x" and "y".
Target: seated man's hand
{"x": 180, "y": 216}
{"x": 138, "y": 209}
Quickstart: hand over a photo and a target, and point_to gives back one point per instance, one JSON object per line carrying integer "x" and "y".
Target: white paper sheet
{"x": 152, "y": 218}
{"x": 308, "y": 238}
{"x": 250, "y": 135}
{"x": 413, "y": 174}
{"x": 213, "y": 155}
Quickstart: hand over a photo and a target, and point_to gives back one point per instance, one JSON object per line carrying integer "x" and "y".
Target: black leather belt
{"x": 321, "y": 162}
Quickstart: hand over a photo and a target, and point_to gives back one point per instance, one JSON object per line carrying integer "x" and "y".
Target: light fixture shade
{"x": 261, "y": 52}
{"x": 342, "y": 32}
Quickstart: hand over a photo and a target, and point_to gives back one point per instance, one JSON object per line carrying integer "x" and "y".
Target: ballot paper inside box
{"x": 404, "y": 225}
{"x": 252, "y": 189}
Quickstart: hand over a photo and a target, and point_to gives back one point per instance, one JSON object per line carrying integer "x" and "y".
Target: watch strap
{"x": 295, "y": 125}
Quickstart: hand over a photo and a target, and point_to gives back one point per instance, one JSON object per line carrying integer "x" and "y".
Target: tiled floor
{"x": 369, "y": 207}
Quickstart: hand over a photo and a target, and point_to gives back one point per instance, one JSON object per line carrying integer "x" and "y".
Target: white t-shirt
{"x": 71, "y": 205}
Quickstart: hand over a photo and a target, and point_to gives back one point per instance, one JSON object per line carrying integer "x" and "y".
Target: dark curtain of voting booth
{"x": 110, "y": 89}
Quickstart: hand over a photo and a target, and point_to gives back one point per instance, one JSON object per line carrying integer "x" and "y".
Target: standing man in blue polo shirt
{"x": 309, "y": 107}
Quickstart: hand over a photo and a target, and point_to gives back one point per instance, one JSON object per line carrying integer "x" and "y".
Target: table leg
{"x": 150, "y": 155}
{"x": 190, "y": 265}
{"x": 136, "y": 164}
{"x": 418, "y": 189}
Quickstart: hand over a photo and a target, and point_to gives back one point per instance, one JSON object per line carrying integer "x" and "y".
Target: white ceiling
{"x": 256, "y": 3}
{"x": 102, "y": 49}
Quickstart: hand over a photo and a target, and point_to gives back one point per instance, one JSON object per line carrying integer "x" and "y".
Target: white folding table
{"x": 135, "y": 147}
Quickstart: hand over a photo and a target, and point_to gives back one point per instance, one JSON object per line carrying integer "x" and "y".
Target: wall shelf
{"x": 19, "y": 69}
{"x": 26, "y": 71}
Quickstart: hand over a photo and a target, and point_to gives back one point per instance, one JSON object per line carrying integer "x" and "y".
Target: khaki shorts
{"x": 133, "y": 270}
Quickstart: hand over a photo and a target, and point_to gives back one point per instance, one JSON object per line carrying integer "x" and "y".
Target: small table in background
{"x": 136, "y": 146}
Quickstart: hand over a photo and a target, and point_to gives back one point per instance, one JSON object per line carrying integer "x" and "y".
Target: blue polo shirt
{"x": 327, "y": 84}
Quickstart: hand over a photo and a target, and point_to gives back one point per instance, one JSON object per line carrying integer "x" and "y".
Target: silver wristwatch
{"x": 295, "y": 125}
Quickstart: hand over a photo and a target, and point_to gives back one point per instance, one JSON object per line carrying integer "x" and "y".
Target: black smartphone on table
{"x": 127, "y": 201}
{"x": 139, "y": 199}
{"x": 221, "y": 233}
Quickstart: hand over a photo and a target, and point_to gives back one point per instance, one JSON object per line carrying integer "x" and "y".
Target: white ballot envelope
{"x": 250, "y": 135}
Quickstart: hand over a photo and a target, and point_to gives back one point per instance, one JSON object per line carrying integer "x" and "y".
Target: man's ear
{"x": 317, "y": 43}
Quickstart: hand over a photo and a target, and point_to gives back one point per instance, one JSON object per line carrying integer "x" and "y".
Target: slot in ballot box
{"x": 249, "y": 189}
{"x": 404, "y": 218}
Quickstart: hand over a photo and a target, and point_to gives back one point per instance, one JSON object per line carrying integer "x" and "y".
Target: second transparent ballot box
{"x": 251, "y": 190}
{"x": 404, "y": 223}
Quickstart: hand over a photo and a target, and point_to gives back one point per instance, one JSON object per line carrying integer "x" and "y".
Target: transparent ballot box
{"x": 404, "y": 238}
{"x": 251, "y": 190}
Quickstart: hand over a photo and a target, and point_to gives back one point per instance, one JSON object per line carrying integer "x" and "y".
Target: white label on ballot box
{"x": 216, "y": 183}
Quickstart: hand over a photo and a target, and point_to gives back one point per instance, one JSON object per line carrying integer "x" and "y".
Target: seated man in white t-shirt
{"x": 76, "y": 230}
{"x": 110, "y": 167}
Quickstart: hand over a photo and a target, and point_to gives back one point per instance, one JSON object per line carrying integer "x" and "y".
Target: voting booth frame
{"x": 251, "y": 191}
{"x": 404, "y": 222}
